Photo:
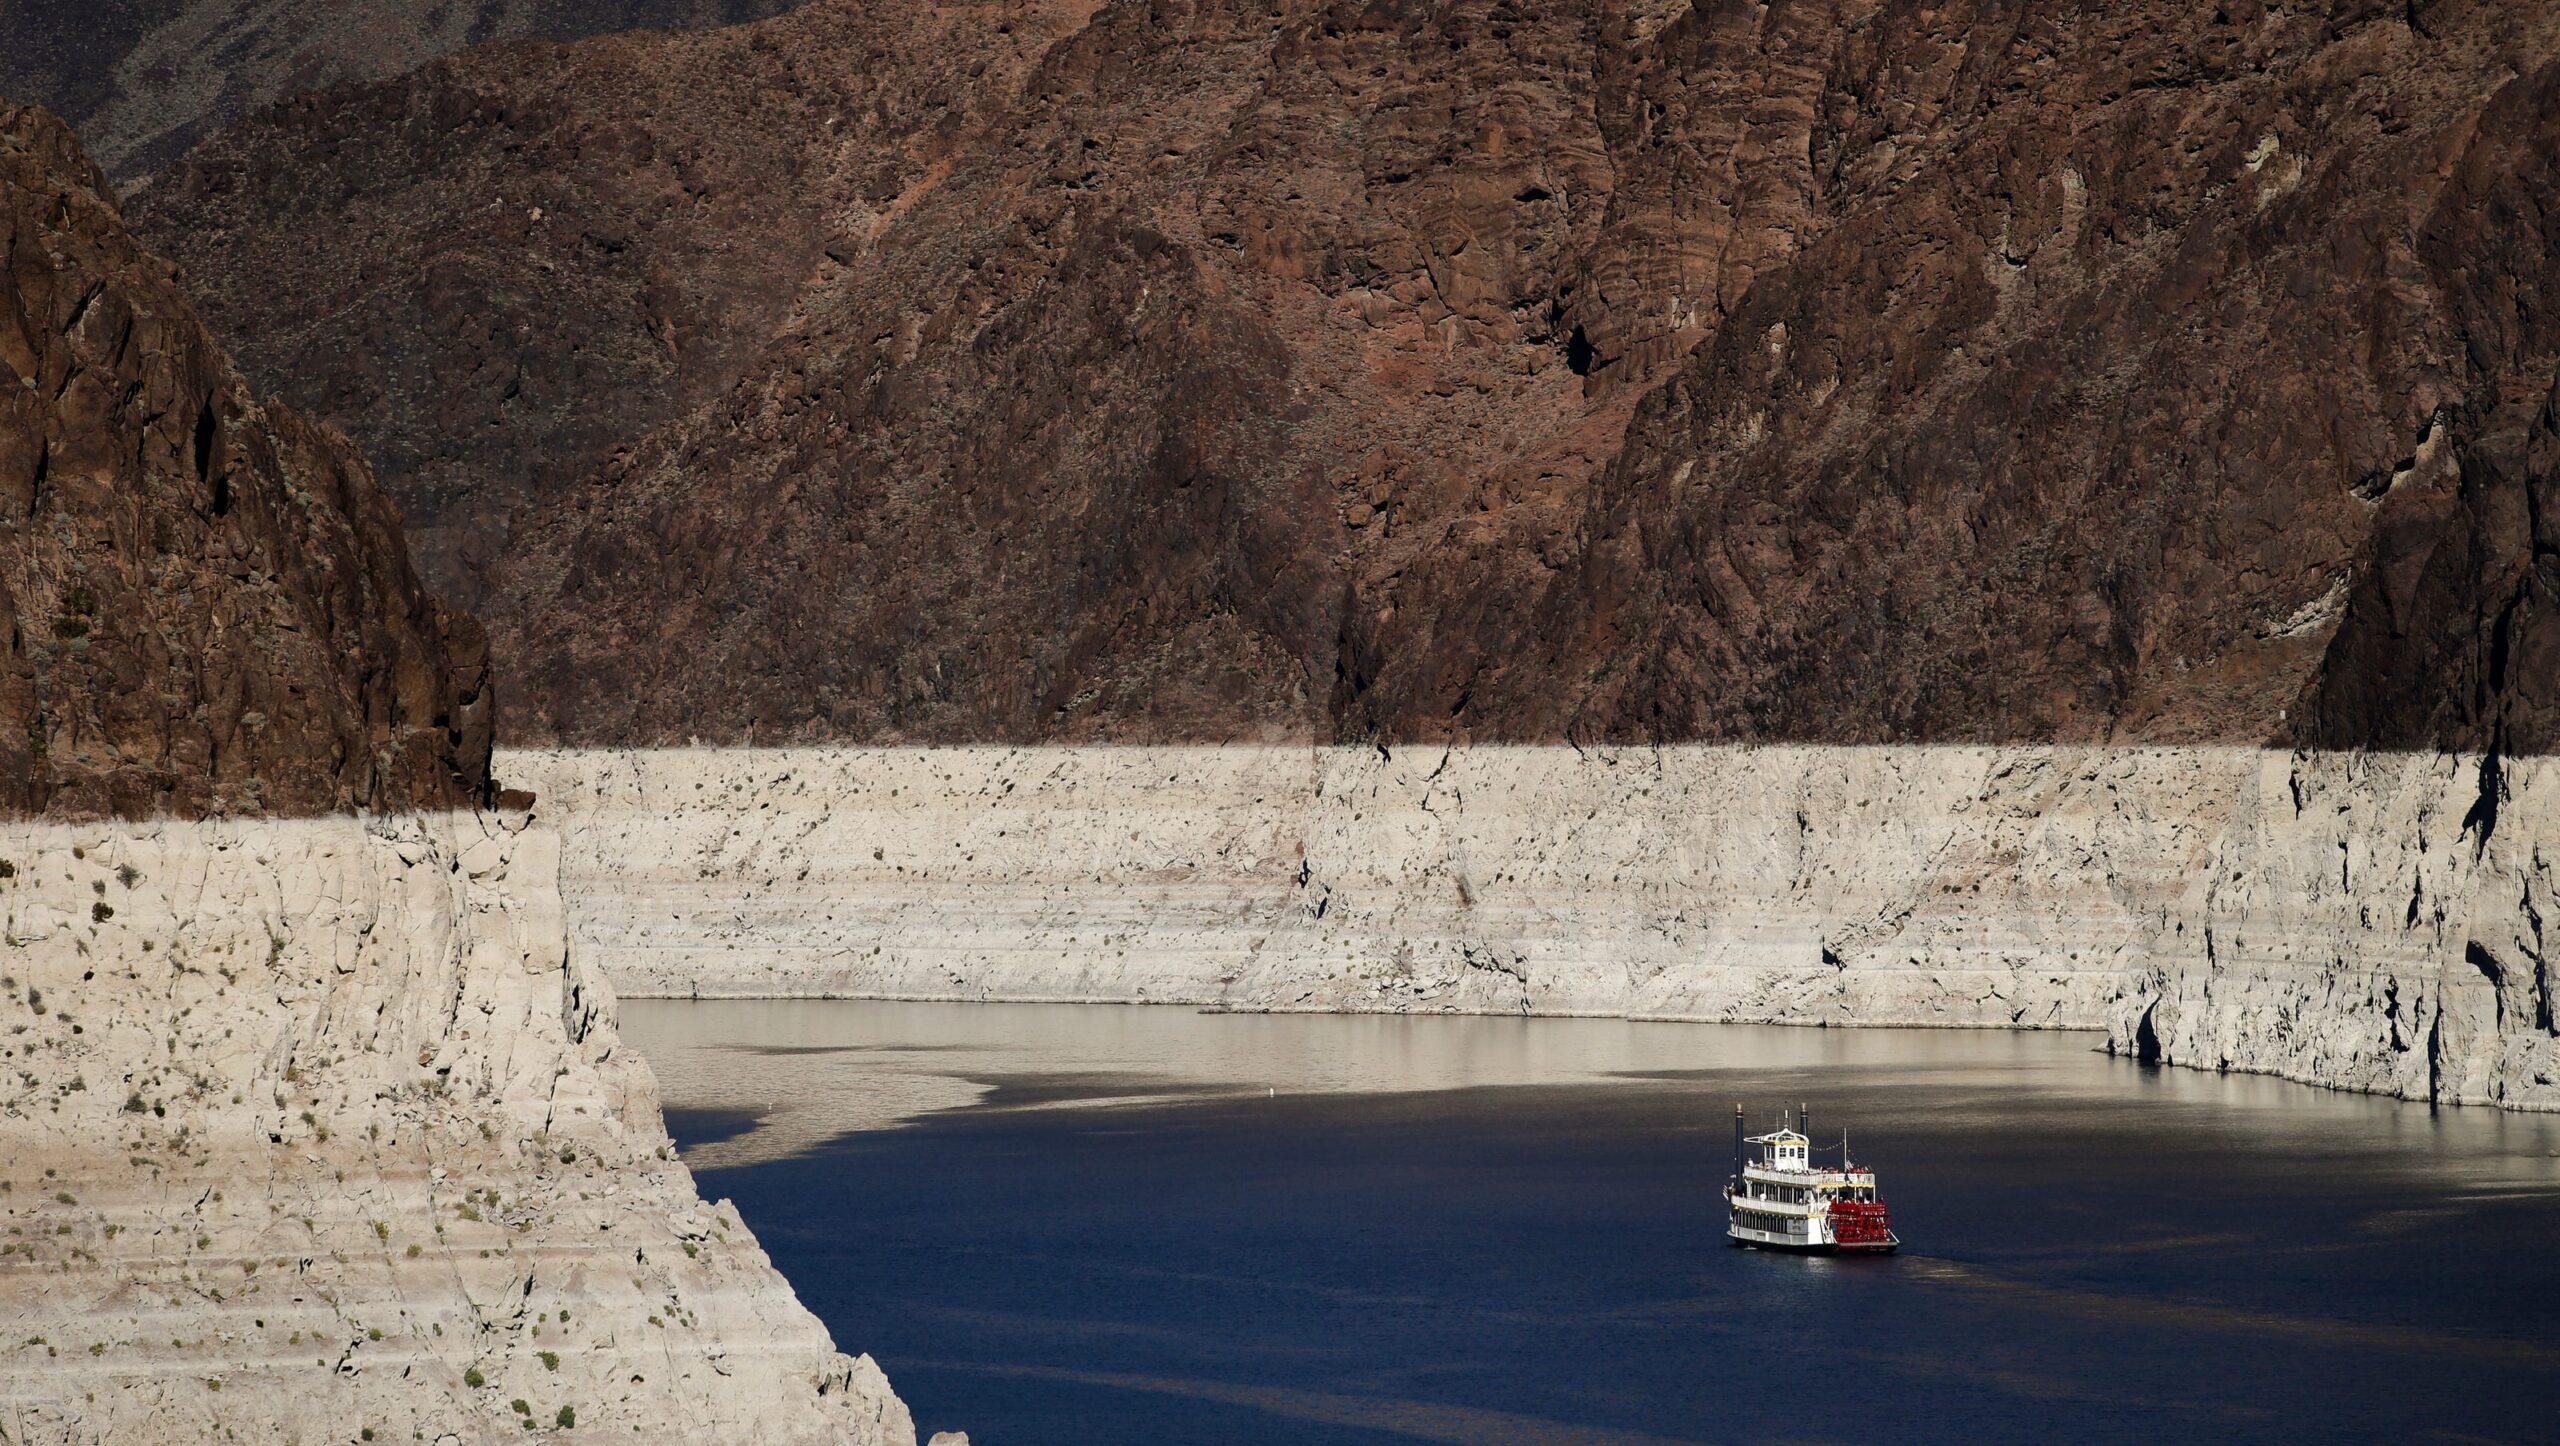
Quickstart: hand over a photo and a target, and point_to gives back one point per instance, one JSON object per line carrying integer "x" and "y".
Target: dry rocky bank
{"x": 2365, "y": 921}
{"x": 316, "y": 1130}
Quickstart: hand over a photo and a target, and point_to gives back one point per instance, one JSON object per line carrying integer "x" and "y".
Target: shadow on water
{"x": 693, "y": 1128}
{"x": 1117, "y": 1244}
{"x": 1083, "y": 1087}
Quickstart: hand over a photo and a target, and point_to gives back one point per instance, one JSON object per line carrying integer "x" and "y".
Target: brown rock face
{"x": 145, "y": 79}
{"x": 1825, "y": 369}
{"x": 205, "y": 605}
{"x": 2152, "y": 381}
{"x": 2454, "y": 631}
{"x": 510, "y": 266}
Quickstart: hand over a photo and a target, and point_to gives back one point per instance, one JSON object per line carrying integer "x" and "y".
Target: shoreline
{"x": 2209, "y": 907}
{"x": 784, "y": 1078}
{"x": 1214, "y": 1008}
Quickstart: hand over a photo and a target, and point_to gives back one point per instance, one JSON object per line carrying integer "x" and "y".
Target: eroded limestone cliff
{"x": 316, "y": 1128}
{"x": 2374, "y": 922}
{"x": 2367, "y": 922}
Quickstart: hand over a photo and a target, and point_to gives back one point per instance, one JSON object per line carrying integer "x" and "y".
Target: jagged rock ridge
{"x": 205, "y": 604}
{"x": 1829, "y": 370}
{"x": 2169, "y": 373}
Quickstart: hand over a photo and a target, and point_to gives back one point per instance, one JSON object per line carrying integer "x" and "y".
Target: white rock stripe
{"x": 2223, "y": 907}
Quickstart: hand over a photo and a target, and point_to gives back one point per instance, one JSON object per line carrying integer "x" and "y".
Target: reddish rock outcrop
{"x": 1824, "y": 369}
{"x": 2152, "y": 381}
{"x": 205, "y": 604}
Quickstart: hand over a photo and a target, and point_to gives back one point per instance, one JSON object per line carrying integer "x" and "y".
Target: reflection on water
{"x": 1111, "y": 1224}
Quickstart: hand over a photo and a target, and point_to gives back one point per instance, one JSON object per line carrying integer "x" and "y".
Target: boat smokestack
{"x": 1737, "y": 1142}
{"x": 1806, "y": 1128}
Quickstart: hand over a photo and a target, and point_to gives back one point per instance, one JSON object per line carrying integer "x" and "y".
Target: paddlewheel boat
{"x": 1782, "y": 1199}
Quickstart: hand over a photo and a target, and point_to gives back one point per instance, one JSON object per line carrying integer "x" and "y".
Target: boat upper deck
{"x": 1810, "y": 1177}
{"x": 1785, "y": 1158}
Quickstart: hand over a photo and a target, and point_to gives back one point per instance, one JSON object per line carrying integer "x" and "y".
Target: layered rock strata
{"x": 2365, "y": 921}
{"x": 316, "y": 1131}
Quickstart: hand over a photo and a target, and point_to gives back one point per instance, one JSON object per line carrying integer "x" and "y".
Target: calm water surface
{"x": 1099, "y": 1224}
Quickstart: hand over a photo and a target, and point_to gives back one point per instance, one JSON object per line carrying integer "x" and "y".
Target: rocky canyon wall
{"x": 205, "y": 603}
{"x": 312, "y": 1129}
{"x": 2373, "y": 921}
{"x": 315, "y": 1131}
{"x": 2365, "y": 921}
{"x": 1833, "y": 371}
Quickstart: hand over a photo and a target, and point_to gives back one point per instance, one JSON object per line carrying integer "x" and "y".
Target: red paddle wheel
{"x": 1861, "y": 1225}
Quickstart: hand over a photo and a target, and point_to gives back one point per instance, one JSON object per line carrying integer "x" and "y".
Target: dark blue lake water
{"x": 1334, "y": 1243}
